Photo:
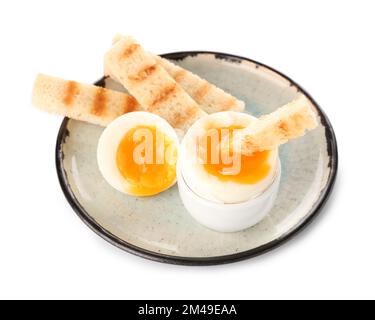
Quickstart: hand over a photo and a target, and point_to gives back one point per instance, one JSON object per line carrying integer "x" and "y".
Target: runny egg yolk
{"x": 146, "y": 158}
{"x": 247, "y": 170}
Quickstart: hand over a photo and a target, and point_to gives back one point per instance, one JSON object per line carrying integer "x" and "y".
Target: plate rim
{"x": 325, "y": 193}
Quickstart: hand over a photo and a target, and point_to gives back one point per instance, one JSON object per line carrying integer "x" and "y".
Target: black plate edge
{"x": 190, "y": 261}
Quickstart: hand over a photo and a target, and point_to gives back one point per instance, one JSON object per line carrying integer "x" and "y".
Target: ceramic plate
{"x": 159, "y": 227}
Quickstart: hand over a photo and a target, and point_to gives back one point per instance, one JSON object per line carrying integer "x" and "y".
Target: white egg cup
{"x": 229, "y": 217}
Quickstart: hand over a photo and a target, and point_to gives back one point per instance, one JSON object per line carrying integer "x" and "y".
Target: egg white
{"x": 111, "y": 138}
{"x": 209, "y": 186}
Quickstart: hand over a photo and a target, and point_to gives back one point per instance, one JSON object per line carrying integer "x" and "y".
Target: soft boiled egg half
{"x": 208, "y": 174}
{"x": 137, "y": 154}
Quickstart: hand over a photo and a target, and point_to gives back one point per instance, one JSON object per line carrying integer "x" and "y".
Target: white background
{"x": 326, "y": 46}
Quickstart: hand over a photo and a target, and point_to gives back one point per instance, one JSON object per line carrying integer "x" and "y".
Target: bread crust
{"x": 288, "y": 122}
{"x": 152, "y": 86}
{"x": 81, "y": 101}
{"x": 210, "y": 98}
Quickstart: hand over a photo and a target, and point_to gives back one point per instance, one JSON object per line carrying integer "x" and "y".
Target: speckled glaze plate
{"x": 159, "y": 228}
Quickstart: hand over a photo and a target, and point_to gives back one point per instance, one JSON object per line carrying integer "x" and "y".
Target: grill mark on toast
{"x": 181, "y": 120}
{"x": 162, "y": 96}
{"x": 130, "y": 104}
{"x": 179, "y": 75}
{"x": 283, "y": 128}
{"x": 100, "y": 102}
{"x": 228, "y": 105}
{"x": 72, "y": 89}
{"x": 144, "y": 73}
{"x": 202, "y": 91}
{"x": 130, "y": 50}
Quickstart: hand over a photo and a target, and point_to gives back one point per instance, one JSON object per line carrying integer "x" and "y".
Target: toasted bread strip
{"x": 288, "y": 122}
{"x": 209, "y": 97}
{"x": 81, "y": 101}
{"x": 139, "y": 72}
